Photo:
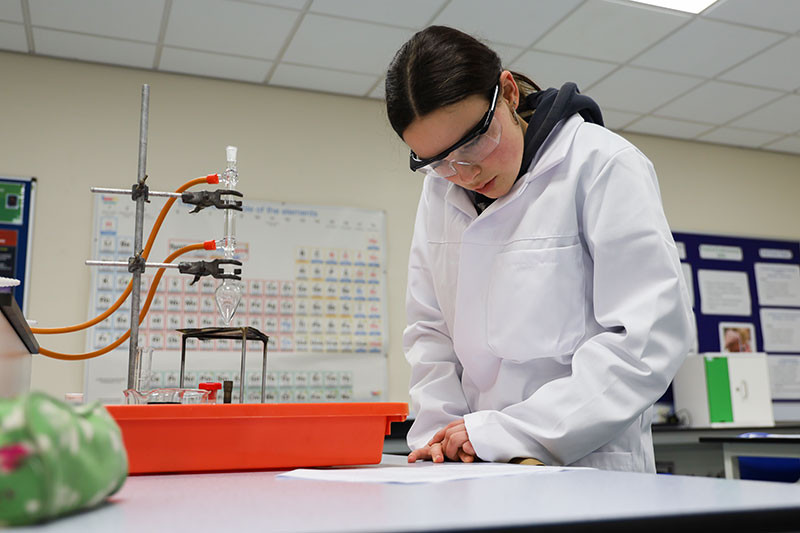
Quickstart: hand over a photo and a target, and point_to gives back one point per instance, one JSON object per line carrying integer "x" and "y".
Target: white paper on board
{"x": 723, "y": 292}
{"x": 784, "y": 376}
{"x": 778, "y": 284}
{"x": 687, "y": 276}
{"x": 721, "y": 253}
{"x": 781, "y": 330}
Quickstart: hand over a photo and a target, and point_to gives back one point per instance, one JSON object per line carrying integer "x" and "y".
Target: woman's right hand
{"x": 451, "y": 441}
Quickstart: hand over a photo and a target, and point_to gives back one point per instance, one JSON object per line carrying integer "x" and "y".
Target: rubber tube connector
{"x": 210, "y": 245}
{"x": 213, "y": 179}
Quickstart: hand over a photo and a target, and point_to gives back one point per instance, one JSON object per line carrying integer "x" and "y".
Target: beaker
{"x": 166, "y": 396}
{"x": 143, "y": 368}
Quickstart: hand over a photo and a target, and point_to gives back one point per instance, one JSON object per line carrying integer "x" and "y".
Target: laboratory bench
{"x": 573, "y": 500}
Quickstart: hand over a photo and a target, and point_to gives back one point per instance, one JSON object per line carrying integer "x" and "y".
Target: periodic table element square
{"x": 272, "y": 344}
{"x": 345, "y": 291}
{"x": 359, "y": 273}
{"x": 331, "y": 326}
{"x": 174, "y": 302}
{"x": 301, "y": 396}
{"x": 345, "y": 394}
{"x": 361, "y": 326}
{"x": 301, "y": 325}
{"x": 108, "y": 224}
{"x": 121, "y": 281}
{"x": 317, "y": 271}
{"x": 359, "y": 257}
{"x": 360, "y": 344}
{"x": 156, "y": 340}
{"x": 373, "y": 309}
{"x": 255, "y": 306}
{"x": 332, "y": 273}
{"x": 105, "y": 281}
{"x": 191, "y": 304}
{"x": 190, "y": 321}
{"x": 287, "y": 306}
{"x": 331, "y": 255}
{"x": 125, "y": 244}
{"x": 224, "y": 345}
{"x": 207, "y": 286}
{"x": 270, "y": 324}
{"x": 317, "y": 289}
{"x": 316, "y": 395}
{"x": 271, "y": 306}
{"x": 287, "y": 289}
{"x": 316, "y": 378}
{"x": 207, "y": 320}
{"x": 208, "y": 304}
{"x": 103, "y": 301}
{"x": 359, "y": 291}
{"x": 286, "y": 324}
{"x": 345, "y": 308}
{"x": 255, "y": 287}
{"x": 331, "y": 379}
{"x": 346, "y": 274}
{"x": 206, "y": 345}
{"x": 346, "y": 343}
{"x": 302, "y": 344}
{"x": 156, "y": 321}
{"x": 346, "y": 326}
{"x": 301, "y": 307}
{"x": 317, "y": 254}
{"x": 122, "y": 320}
{"x": 302, "y": 253}
{"x": 287, "y": 343}
{"x": 332, "y": 344}
{"x": 272, "y": 288}
{"x": 286, "y": 396}
{"x": 302, "y": 289}
{"x": 174, "y": 321}
{"x": 239, "y": 321}
{"x": 173, "y": 341}
{"x": 317, "y": 308}
{"x": 255, "y": 322}
{"x": 346, "y": 379}
{"x": 159, "y": 303}
{"x": 315, "y": 326}
{"x": 345, "y": 257}
{"x": 373, "y": 274}
{"x": 332, "y": 290}
{"x": 331, "y": 307}
{"x": 174, "y": 284}
{"x": 107, "y": 244}
{"x": 302, "y": 271}
{"x": 102, "y": 339}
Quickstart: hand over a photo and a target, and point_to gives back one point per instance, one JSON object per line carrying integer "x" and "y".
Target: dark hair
{"x": 437, "y": 67}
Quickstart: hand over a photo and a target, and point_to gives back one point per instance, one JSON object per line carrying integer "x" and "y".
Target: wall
{"x": 74, "y": 125}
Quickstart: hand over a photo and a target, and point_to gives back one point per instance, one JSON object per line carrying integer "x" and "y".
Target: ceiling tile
{"x": 717, "y": 102}
{"x": 617, "y": 120}
{"x": 639, "y": 90}
{"x": 91, "y": 48}
{"x": 329, "y": 42}
{"x": 782, "y": 116}
{"x": 298, "y": 5}
{"x": 514, "y": 22}
{"x": 213, "y": 65}
{"x": 408, "y": 13}
{"x": 668, "y": 127}
{"x": 12, "y": 37}
{"x": 552, "y": 70}
{"x": 319, "y": 79}
{"x": 768, "y": 69}
{"x": 789, "y": 144}
{"x": 706, "y": 48}
{"x": 123, "y": 19}
{"x": 237, "y": 28}
{"x": 610, "y": 31}
{"x": 780, "y": 15}
{"x": 738, "y": 137}
{"x": 11, "y": 11}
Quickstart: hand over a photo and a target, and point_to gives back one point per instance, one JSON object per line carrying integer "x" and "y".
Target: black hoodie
{"x": 550, "y": 106}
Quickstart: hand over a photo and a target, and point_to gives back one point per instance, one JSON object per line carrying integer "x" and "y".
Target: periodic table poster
{"x": 313, "y": 280}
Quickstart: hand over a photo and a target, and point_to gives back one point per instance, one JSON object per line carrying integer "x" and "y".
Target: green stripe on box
{"x": 718, "y": 385}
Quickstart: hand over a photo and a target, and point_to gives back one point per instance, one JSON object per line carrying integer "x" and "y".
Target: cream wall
{"x": 74, "y": 125}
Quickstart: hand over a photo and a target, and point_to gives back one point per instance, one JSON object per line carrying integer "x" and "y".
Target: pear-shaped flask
{"x": 228, "y": 295}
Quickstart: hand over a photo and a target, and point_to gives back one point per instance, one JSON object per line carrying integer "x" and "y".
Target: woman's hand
{"x": 452, "y": 442}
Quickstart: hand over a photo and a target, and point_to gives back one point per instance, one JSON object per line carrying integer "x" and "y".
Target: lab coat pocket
{"x": 535, "y": 305}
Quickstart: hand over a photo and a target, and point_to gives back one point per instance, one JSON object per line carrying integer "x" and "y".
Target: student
{"x": 546, "y": 307}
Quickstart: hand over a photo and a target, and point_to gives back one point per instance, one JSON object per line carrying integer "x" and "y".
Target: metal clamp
{"x": 203, "y": 199}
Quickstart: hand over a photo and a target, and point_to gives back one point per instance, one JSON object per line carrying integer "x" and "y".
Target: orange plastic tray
{"x": 225, "y": 437}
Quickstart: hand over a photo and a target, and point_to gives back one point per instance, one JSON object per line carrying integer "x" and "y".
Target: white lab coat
{"x": 554, "y": 320}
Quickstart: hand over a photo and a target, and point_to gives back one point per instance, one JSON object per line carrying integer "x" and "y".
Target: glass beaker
{"x": 166, "y": 396}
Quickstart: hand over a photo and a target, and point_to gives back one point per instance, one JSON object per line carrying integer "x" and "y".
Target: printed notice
{"x": 721, "y": 253}
{"x": 723, "y": 292}
{"x": 778, "y": 284}
{"x": 781, "y": 330}
{"x": 687, "y": 277}
{"x": 784, "y": 376}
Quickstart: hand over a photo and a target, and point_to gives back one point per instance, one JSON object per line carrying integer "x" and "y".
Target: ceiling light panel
{"x": 139, "y": 20}
{"x": 553, "y": 70}
{"x": 236, "y": 28}
{"x": 706, "y": 48}
{"x": 314, "y": 78}
{"x": 717, "y": 103}
{"x": 638, "y": 90}
{"x": 610, "y": 31}
{"x": 11, "y": 11}
{"x": 213, "y": 65}
{"x": 12, "y": 37}
{"x": 408, "y": 13}
{"x": 90, "y": 48}
{"x": 779, "y": 15}
{"x": 514, "y": 22}
{"x": 349, "y": 45}
{"x": 687, "y": 6}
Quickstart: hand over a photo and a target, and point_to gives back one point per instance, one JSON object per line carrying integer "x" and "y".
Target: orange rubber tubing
{"x": 146, "y": 307}
{"x": 150, "y": 240}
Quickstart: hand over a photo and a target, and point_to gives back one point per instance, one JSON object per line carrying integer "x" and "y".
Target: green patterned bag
{"x": 56, "y": 459}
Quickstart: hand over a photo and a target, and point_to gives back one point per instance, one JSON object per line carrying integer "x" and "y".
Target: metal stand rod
{"x": 137, "y": 239}
{"x": 264, "y": 374}
{"x": 241, "y": 372}
{"x": 160, "y": 194}
{"x": 124, "y": 264}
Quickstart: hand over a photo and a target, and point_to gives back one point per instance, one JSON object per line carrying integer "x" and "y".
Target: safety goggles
{"x": 471, "y": 149}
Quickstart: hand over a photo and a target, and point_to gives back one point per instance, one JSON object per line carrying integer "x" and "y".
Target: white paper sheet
{"x": 778, "y": 284}
{"x": 723, "y": 292}
{"x": 781, "y": 330}
{"x": 422, "y": 472}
